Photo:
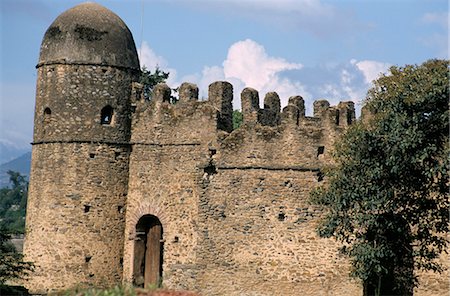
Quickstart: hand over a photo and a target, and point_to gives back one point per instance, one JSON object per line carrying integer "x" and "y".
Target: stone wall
{"x": 259, "y": 237}
{"x": 170, "y": 151}
{"x": 75, "y": 215}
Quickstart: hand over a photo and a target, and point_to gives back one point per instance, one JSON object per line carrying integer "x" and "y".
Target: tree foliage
{"x": 13, "y": 203}
{"x": 237, "y": 119}
{"x": 12, "y": 265}
{"x": 149, "y": 80}
{"x": 387, "y": 195}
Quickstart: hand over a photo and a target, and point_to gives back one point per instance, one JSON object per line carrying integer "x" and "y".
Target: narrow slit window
{"x": 320, "y": 150}
{"x": 106, "y": 115}
{"x": 349, "y": 118}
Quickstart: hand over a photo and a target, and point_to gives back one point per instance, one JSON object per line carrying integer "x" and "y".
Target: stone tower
{"x": 78, "y": 188}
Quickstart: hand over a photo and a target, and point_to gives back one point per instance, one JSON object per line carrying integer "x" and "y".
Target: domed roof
{"x": 89, "y": 34}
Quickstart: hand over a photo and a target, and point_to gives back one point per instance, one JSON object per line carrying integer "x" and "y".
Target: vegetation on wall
{"x": 387, "y": 195}
{"x": 237, "y": 119}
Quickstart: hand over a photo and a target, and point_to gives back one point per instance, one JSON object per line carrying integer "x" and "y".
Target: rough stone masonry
{"x": 126, "y": 190}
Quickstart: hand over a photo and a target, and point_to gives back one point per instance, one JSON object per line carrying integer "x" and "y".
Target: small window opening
{"x": 120, "y": 209}
{"x": 320, "y": 176}
{"x": 212, "y": 151}
{"x": 320, "y": 150}
{"x": 210, "y": 169}
{"x": 281, "y": 217}
{"x": 47, "y": 114}
{"x": 176, "y": 239}
{"x": 337, "y": 118}
{"x": 349, "y": 118}
{"x": 106, "y": 115}
{"x": 91, "y": 155}
{"x": 87, "y": 259}
{"x": 87, "y": 208}
{"x": 121, "y": 261}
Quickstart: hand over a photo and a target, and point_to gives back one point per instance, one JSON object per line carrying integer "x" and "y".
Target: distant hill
{"x": 9, "y": 152}
{"x": 20, "y": 164}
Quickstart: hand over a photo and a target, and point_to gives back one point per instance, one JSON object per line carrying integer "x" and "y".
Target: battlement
{"x": 220, "y": 96}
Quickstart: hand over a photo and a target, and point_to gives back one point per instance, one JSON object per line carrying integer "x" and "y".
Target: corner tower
{"x": 79, "y": 172}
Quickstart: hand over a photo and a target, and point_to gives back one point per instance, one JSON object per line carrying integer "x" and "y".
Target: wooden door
{"x": 153, "y": 256}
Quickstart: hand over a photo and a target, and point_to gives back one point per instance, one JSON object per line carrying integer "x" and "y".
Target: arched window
{"x": 106, "y": 115}
{"x": 47, "y": 114}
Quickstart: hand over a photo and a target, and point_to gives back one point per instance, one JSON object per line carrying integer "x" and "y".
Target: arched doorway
{"x": 148, "y": 252}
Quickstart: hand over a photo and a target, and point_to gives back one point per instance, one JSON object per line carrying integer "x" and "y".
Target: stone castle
{"x": 126, "y": 190}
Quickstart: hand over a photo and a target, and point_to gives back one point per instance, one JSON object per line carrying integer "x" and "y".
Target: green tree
{"x": 12, "y": 265}
{"x": 237, "y": 119}
{"x": 13, "y": 203}
{"x": 387, "y": 194}
{"x": 149, "y": 80}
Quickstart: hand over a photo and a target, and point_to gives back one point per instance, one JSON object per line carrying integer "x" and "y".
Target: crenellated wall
{"x": 233, "y": 204}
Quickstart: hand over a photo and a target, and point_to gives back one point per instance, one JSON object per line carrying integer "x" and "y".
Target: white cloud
{"x": 371, "y": 69}
{"x": 249, "y": 62}
{"x": 344, "y": 81}
{"x": 437, "y": 40}
{"x": 348, "y": 84}
{"x": 151, "y": 61}
{"x": 149, "y": 58}
{"x": 249, "y": 65}
{"x": 440, "y": 18}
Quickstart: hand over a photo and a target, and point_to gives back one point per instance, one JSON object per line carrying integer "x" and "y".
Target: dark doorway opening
{"x": 148, "y": 252}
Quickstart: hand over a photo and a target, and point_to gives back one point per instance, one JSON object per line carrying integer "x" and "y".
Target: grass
{"x": 123, "y": 291}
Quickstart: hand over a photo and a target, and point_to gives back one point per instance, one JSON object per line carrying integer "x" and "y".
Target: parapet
{"x": 219, "y": 107}
{"x": 341, "y": 115}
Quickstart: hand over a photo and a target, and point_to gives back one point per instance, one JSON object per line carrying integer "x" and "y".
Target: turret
{"x": 79, "y": 172}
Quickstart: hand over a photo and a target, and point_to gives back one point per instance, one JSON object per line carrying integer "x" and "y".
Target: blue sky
{"x": 313, "y": 48}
